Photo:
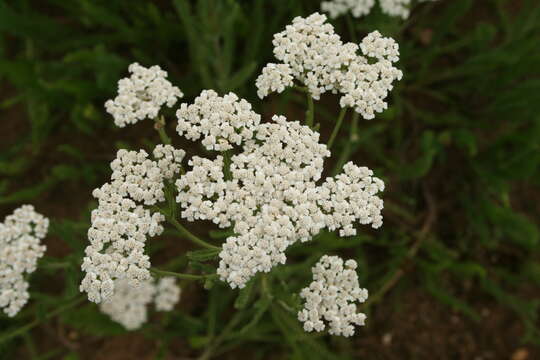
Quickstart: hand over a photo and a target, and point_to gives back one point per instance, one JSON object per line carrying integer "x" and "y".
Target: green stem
{"x": 171, "y": 200}
{"x": 310, "y": 112}
{"x": 349, "y": 147}
{"x": 193, "y": 238}
{"x": 52, "y": 264}
{"x": 159, "y": 125}
{"x": 265, "y": 289}
{"x": 352, "y": 30}
{"x": 337, "y": 127}
{"x": 30, "y": 346}
{"x": 160, "y": 273}
{"x": 23, "y": 329}
{"x": 227, "y": 164}
{"x": 222, "y": 336}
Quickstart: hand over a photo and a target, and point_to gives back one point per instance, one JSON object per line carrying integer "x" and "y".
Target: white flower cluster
{"x": 365, "y": 86}
{"x": 220, "y": 121}
{"x": 274, "y": 78}
{"x": 142, "y": 95}
{"x": 20, "y": 248}
{"x": 272, "y": 197}
{"x": 357, "y": 8}
{"x": 331, "y": 297}
{"x": 398, "y": 8}
{"x": 167, "y": 294}
{"x": 121, "y": 223}
{"x": 351, "y": 197}
{"x": 128, "y": 305}
{"x": 315, "y": 55}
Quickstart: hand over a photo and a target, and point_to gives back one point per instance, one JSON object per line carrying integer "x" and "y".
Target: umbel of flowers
{"x": 332, "y": 296}
{"x": 129, "y": 305}
{"x": 358, "y": 8}
{"x": 265, "y": 184}
{"x": 20, "y": 249}
{"x": 121, "y": 223}
{"x": 272, "y": 197}
{"x": 314, "y": 56}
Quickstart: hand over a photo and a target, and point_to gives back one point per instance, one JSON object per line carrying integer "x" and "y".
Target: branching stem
{"x": 413, "y": 251}
{"x": 159, "y": 125}
{"x": 24, "y": 329}
{"x": 310, "y": 112}
{"x": 191, "y": 237}
{"x": 337, "y": 127}
{"x": 161, "y": 273}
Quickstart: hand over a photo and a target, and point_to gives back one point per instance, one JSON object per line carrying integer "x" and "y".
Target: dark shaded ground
{"x": 415, "y": 327}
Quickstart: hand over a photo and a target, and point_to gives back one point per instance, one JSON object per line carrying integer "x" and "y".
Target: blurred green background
{"x": 454, "y": 273}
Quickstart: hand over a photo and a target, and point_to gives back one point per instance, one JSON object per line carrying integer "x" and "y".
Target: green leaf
{"x": 242, "y": 76}
{"x": 71, "y": 356}
{"x": 435, "y": 288}
{"x": 466, "y": 140}
{"x": 261, "y": 306}
{"x": 221, "y": 234}
{"x": 90, "y": 320}
{"x": 468, "y": 269}
{"x": 516, "y": 227}
{"x": 198, "y": 342}
{"x": 421, "y": 166}
{"x": 245, "y": 294}
{"x": 203, "y": 255}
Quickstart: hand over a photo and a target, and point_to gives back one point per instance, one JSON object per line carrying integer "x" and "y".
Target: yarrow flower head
{"x": 357, "y": 8}
{"x": 129, "y": 306}
{"x": 221, "y": 121}
{"x": 272, "y": 199}
{"x": 167, "y": 294}
{"x": 349, "y": 197}
{"x": 314, "y": 55}
{"x": 142, "y": 95}
{"x": 20, "y": 249}
{"x": 121, "y": 223}
{"x": 331, "y": 297}
{"x": 397, "y": 8}
{"x": 274, "y": 78}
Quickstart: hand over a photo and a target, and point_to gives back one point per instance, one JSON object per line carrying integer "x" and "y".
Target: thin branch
{"x": 193, "y": 238}
{"x": 310, "y": 112}
{"x": 208, "y": 353}
{"x": 337, "y": 127}
{"x": 413, "y": 251}
{"x": 161, "y": 273}
{"x": 159, "y": 125}
{"x": 23, "y": 329}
